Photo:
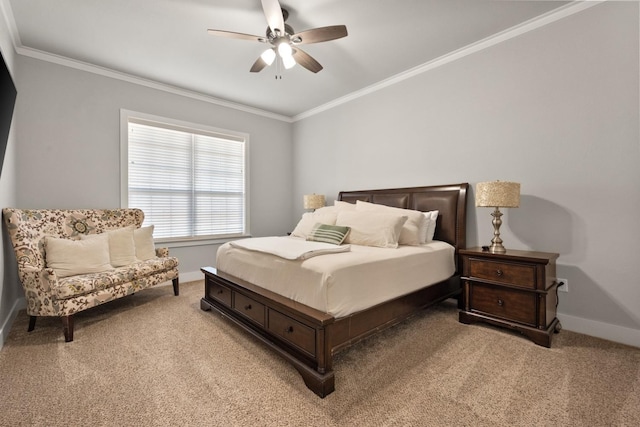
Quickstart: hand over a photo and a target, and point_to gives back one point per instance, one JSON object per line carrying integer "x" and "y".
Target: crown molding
{"x": 525, "y": 27}
{"x": 107, "y": 72}
{"x": 7, "y": 13}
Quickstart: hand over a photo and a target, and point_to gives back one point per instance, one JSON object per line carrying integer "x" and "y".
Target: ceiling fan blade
{"x": 258, "y": 66}
{"x": 318, "y": 35}
{"x": 233, "y": 35}
{"x": 304, "y": 59}
{"x": 273, "y": 12}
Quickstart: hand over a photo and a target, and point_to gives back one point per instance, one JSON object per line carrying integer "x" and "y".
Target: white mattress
{"x": 343, "y": 283}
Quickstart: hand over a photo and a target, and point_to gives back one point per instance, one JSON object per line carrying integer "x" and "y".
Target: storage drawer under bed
{"x": 218, "y": 292}
{"x": 249, "y": 308}
{"x": 292, "y": 331}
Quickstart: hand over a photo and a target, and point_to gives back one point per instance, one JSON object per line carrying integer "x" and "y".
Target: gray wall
{"x": 68, "y": 154}
{"x": 555, "y": 109}
{"x": 9, "y": 292}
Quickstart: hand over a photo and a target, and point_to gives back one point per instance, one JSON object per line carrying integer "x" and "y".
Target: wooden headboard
{"x": 449, "y": 200}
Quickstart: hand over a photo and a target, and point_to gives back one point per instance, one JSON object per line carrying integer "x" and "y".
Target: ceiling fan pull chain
{"x": 278, "y": 73}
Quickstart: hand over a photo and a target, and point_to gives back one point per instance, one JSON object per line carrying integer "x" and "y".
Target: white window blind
{"x": 190, "y": 183}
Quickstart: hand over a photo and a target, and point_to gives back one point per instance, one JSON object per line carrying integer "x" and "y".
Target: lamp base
{"x": 496, "y": 243}
{"x": 497, "y": 248}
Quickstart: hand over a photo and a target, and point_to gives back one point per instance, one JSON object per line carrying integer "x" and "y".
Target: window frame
{"x": 127, "y": 115}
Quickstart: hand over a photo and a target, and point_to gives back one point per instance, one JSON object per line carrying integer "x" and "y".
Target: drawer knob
{"x": 500, "y": 302}
{"x": 247, "y": 307}
{"x": 288, "y": 330}
{"x": 499, "y": 272}
{"x": 220, "y": 292}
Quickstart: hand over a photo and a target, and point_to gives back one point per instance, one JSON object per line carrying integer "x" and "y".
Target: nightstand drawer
{"x": 509, "y": 304}
{"x": 523, "y": 275}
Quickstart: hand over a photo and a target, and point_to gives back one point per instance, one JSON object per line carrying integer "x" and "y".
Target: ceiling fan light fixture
{"x": 268, "y": 56}
{"x": 283, "y": 38}
{"x": 288, "y": 62}
{"x": 285, "y": 50}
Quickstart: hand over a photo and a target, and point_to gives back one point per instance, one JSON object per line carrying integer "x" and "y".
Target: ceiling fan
{"x": 284, "y": 40}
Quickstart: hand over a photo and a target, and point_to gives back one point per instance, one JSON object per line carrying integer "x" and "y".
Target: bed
{"x": 309, "y": 337}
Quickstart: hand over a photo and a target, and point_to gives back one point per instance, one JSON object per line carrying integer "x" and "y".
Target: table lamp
{"x": 497, "y": 194}
{"x": 313, "y": 201}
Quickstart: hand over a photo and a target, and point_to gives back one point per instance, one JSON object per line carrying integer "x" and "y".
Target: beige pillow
{"x": 310, "y": 219}
{"x": 145, "y": 247}
{"x": 122, "y": 249}
{"x": 72, "y": 257}
{"x": 372, "y": 228}
{"x": 413, "y": 229}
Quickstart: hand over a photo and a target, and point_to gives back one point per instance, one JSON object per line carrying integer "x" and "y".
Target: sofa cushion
{"x": 145, "y": 247}
{"x": 71, "y": 257}
{"x": 122, "y": 248}
{"x": 77, "y": 285}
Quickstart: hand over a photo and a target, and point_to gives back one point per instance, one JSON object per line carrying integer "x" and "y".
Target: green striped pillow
{"x": 326, "y": 233}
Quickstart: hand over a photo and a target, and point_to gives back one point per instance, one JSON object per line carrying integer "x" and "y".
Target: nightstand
{"x": 517, "y": 290}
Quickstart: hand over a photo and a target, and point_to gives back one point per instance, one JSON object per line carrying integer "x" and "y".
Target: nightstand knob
{"x": 499, "y": 272}
{"x": 500, "y": 302}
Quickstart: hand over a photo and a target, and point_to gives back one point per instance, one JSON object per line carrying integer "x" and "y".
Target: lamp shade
{"x": 313, "y": 201}
{"x": 502, "y": 194}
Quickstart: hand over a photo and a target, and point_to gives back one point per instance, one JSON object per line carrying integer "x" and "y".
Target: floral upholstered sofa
{"x": 72, "y": 260}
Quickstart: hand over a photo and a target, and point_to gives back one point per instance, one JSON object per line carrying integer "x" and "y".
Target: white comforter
{"x": 342, "y": 283}
{"x": 289, "y": 247}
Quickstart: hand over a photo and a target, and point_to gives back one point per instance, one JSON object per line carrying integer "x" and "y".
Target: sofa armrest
{"x": 34, "y": 278}
{"x": 162, "y": 252}
{"x": 38, "y": 285}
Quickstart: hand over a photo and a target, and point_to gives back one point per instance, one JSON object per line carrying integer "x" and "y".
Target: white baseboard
{"x": 191, "y": 276}
{"x": 607, "y": 331}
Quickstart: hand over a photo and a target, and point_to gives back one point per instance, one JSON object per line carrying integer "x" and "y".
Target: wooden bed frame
{"x": 309, "y": 338}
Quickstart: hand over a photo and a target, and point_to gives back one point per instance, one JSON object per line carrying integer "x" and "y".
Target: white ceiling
{"x": 166, "y": 41}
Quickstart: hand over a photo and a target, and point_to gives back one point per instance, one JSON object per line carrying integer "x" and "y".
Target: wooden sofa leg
{"x": 67, "y": 324}
{"x": 32, "y": 323}
{"x": 176, "y": 287}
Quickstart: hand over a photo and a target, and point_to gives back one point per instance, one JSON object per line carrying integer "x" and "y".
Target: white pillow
{"x": 344, "y": 206}
{"x": 122, "y": 249}
{"x": 310, "y": 219}
{"x": 72, "y": 257}
{"x": 145, "y": 247}
{"x": 430, "y": 230}
{"x": 326, "y": 210}
{"x": 372, "y": 228}
{"x": 413, "y": 228}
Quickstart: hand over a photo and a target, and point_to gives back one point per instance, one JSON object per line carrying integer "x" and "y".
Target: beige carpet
{"x": 153, "y": 359}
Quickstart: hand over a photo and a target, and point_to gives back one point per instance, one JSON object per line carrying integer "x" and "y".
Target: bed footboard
{"x": 305, "y": 337}
{"x": 296, "y": 332}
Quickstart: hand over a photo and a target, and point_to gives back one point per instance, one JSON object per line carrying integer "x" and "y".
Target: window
{"x": 189, "y": 180}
